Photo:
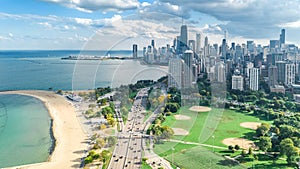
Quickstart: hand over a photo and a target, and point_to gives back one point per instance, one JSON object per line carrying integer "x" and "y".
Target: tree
{"x": 286, "y": 131}
{"x": 263, "y": 129}
{"x": 100, "y": 142}
{"x": 275, "y": 130}
{"x": 102, "y": 126}
{"x": 111, "y": 141}
{"x": 59, "y": 92}
{"x": 234, "y": 97}
{"x": 250, "y": 151}
{"x": 110, "y": 120}
{"x": 172, "y": 107}
{"x": 264, "y": 143}
{"x": 88, "y": 160}
{"x": 167, "y": 132}
{"x": 104, "y": 155}
{"x": 287, "y": 148}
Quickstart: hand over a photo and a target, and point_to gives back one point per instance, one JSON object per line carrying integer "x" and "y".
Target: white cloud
{"x": 161, "y": 11}
{"x": 295, "y": 24}
{"x": 83, "y": 21}
{"x": 248, "y": 18}
{"x": 45, "y": 24}
{"x": 96, "y": 5}
{"x": 3, "y": 38}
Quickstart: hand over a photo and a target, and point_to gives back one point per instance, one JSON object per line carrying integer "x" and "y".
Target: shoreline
{"x": 53, "y": 140}
{"x": 69, "y": 142}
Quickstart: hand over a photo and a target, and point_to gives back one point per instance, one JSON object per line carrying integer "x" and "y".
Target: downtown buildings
{"x": 246, "y": 66}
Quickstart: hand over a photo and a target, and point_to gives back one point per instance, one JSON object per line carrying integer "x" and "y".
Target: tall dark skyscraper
{"x": 183, "y": 39}
{"x": 135, "y": 50}
{"x": 282, "y": 37}
{"x": 183, "y": 34}
{"x": 224, "y": 48}
{"x": 152, "y": 43}
{"x": 187, "y": 68}
{"x": 206, "y": 41}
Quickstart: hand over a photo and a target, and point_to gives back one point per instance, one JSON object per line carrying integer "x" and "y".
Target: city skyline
{"x": 105, "y": 25}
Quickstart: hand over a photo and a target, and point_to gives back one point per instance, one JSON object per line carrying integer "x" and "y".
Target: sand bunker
{"x": 200, "y": 109}
{"x": 182, "y": 117}
{"x": 250, "y": 125}
{"x": 180, "y": 132}
{"x": 243, "y": 143}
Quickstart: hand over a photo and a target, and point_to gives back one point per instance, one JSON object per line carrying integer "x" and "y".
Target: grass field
{"x": 202, "y": 126}
{"x": 145, "y": 166}
{"x": 218, "y": 123}
{"x": 191, "y": 157}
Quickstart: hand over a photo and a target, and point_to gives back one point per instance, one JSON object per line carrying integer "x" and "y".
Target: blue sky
{"x": 116, "y": 24}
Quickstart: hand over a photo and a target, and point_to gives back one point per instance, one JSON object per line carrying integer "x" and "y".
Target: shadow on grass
{"x": 264, "y": 118}
{"x": 273, "y": 165}
{"x": 228, "y": 163}
{"x": 250, "y": 136}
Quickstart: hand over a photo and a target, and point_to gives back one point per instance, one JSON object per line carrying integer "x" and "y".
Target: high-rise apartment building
{"x": 290, "y": 71}
{"x": 272, "y": 74}
{"x": 237, "y": 82}
{"x": 254, "y": 79}
{"x": 175, "y": 72}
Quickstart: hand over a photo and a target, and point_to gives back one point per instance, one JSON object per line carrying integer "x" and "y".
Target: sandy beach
{"x": 70, "y": 138}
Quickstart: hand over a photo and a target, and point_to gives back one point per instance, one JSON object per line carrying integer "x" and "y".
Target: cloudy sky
{"x": 117, "y": 24}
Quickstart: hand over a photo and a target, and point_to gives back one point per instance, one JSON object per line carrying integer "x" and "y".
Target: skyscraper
{"x": 224, "y": 48}
{"x": 198, "y": 43}
{"x": 238, "y": 53}
{"x": 183, "y": 39}
{"x": 237, "y": 82}
{"x": 280, "y": 71}
{"x": 250, "y": 46}
{"x": 152, "y": 43}
{"x": 183, "y": 34}
{"x": 175, "y": 73}
{"x": 290, "y": 74}
{"x": 220, "y": 72}
{"x": 206, "y": 47}
{"x": 206, "y": 41}
{"x": 272, "y": 74}
{"x": 282, "y": 37}
{"x": 135, "y": 50}
{"x": 192, "y": 45}
{"x": 254, "y": 77}
{"x": 187, "y": 76}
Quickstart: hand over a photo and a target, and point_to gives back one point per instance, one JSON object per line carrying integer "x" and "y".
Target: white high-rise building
{"x": 175, "y": 72}
{"x": 237, "y": 82}
{"x": 254, "y": 79}
{"x": 290, "y": 74}
{"x": 249, "y": 65}
{"x": 220, "y": 72}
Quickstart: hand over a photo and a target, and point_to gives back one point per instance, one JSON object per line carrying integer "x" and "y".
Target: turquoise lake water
{"x": 23, "y": 70}
{"x": 24, "y": 130}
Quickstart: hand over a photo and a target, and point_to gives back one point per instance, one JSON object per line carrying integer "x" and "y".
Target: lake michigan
{"x": 24, "y": 121}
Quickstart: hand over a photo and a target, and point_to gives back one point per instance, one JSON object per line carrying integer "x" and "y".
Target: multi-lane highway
{"x": 128, "y": 150}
